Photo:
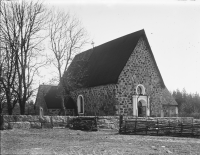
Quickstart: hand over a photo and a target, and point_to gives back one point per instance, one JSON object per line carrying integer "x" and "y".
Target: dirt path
{"x": 68, "y": 142}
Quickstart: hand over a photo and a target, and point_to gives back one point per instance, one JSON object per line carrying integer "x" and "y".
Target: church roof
{"x": 103, "y": 64}
{"x": 53, "y": 100}
{"x": 42, "y": 91}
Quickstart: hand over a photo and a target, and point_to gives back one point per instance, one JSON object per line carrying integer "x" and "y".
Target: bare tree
{"x": 21, "y": 28}
{"x": 7, "y": 63}
{"x": 8, "y": 76}
{"x": 2, "y": 99}
{"x": 67, "y": 37}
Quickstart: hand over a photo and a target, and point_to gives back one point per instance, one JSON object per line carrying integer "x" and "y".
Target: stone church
{"x": 119, "y": 77}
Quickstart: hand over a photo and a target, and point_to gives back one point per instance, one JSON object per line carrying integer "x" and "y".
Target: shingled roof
{"x": 53, "y": 100}
{"x": 103, "y": 64}
{"x": 42, "y": 91}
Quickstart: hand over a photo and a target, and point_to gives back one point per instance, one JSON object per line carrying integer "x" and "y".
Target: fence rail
{"x": 159, "y": 126}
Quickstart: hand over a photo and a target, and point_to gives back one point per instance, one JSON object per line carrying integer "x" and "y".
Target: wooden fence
{"x": 160, "y": 126}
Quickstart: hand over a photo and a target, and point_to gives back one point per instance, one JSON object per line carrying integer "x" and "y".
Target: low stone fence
{"x": 35, "y": 121}
{"x": 20, "y": 121}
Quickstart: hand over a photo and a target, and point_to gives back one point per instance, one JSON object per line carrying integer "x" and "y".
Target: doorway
{"x": 141, "y": 109}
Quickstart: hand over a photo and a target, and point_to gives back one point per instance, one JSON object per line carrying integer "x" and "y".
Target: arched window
{"x": 80, "y": 104}
{"x": 140, "y": 89}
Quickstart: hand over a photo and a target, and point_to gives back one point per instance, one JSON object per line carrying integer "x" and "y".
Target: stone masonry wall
{"x": 28, "y": 121}
{"x": 141, "y": 69}
{"x": 103, "y": 122}
{"x": 169, "y": 111}
{"x": 98, "y": 101}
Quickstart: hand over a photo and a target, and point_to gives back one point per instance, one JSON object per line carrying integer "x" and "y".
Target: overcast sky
{"x": 172, "y": 29}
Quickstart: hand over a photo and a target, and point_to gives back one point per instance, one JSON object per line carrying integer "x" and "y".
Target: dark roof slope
{"x": 77, "y": 73}
{"x": 42, "y": 91}
{"x": 53, "y": 100}
{"x": 103, "y": 64}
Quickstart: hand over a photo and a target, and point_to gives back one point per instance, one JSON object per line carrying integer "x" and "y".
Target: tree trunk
{"x": 62, "y": 96}
{"x": 9, "y": 105}
{"x": 10, "y": 110}
{"x": 1, "y": 109}
{"x": 22, "y": 108}
{"x": 63, "y": 104}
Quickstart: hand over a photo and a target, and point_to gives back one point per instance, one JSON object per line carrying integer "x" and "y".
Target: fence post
{"x": 169, "y": 127}
{"x": 181, "y": 126}
{"x": 125, "y": 126}
{"x": 157, "y": 127}
{"x": 51, "y": 121}
{"x": 96, "y": 122}
{"x": 146, "y": 125}
{"x": 192, "y": 128}
{"x": 1, "y": 121}
{"x": 135, "y": 125}
{"x": 120, "y": 123}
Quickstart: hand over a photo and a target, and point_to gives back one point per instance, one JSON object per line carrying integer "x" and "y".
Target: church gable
{"x": 141, "y": 68}
{"x": 103, "y": 64}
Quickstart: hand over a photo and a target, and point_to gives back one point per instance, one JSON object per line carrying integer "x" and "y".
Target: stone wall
{"x": 141, "y": 69}
{"x": 98, "y": 101}
{"x": 103, "y": 122}
{"x": 20, "y": 121}
{"x": 28, "y": 121}
{"x": 169, "y": 111}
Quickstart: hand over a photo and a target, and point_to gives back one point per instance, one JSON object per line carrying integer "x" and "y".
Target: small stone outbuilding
{"x": 48, "y": 101}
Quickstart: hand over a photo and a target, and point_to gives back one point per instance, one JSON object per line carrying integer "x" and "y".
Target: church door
{"x": 141, "y": 110}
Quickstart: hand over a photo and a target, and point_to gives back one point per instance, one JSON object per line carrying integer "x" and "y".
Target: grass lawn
{"x": 71, "y": 142}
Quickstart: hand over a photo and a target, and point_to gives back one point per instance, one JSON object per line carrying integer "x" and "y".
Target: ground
{"x": 72, "y": 142}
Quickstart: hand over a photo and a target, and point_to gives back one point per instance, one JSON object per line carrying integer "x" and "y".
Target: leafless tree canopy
{"x": 21, "y": 26}
{"x": 67, "y": 37}
{"x": 22, "y": 30}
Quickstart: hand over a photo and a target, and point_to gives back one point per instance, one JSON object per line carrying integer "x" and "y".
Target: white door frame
{"x": 145, "y": 102}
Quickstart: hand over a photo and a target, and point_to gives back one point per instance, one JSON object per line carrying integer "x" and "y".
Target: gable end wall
{"x": 40, "y": 101}
{"x": 141, "y": 69}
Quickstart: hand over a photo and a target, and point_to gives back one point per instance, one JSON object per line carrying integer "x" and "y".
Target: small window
{"x": 140, "y": 89}
{"x": 80, "y": 104}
